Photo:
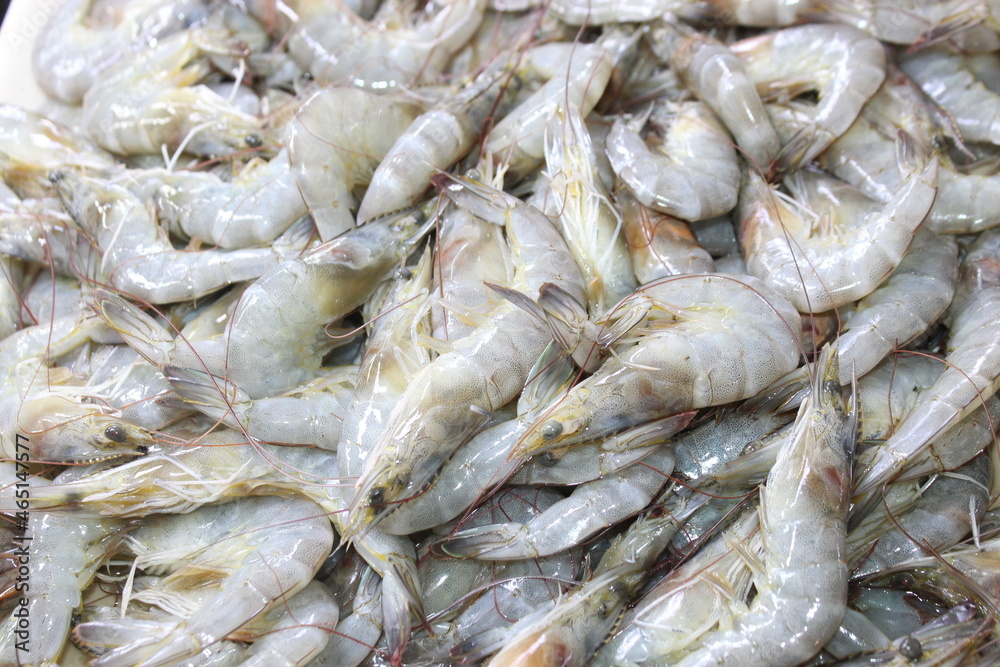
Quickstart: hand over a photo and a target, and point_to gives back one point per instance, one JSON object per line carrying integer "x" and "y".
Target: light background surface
{"x": 24, "y": 20}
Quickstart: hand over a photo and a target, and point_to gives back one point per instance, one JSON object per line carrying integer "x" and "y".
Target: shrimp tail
{"x": 399, "y": 601}
{"x": 203, "y": 389}
{"x": 143, "y": 334}
{"x": 122, "y": 642}
{"x": 483, "y": 540}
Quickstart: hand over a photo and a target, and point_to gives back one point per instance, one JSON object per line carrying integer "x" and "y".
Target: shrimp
{"x": 31, "y": 146}
{"x": 470, "y": 253}
{"x": 437, "y": 139}
{"x": 252, "y": 209}
{"x": 260, "y": 551}
{"x": 681, "y": 357}
{"x": 661, "y": 245}
{"x": 63, "y": 555}
{"x": 358, "y": 631}
{"x": 71, "y": 54}
{"x": 803, "y": 516}
{"x": 590, "y": 224}
{"x": 150, "y": 101}
{"x": 577, "y": 626}
{"x": 936, "y": 521}
{"x": 447, "y": 400}
{"x": 706, "y": 592}
{"x": 11, "y": 278}
{"x": 593, "y": 506}
{"x": 137, "y": 257}
{"x": 717, "y": 77}
{"x": 579, "y": 76}
{"x": 302, "y": 294}
{"x": 802, "y": 248}
{"x": 972, "y": 374}
{"x": 335, "y": 142}
{"x": 340, "y": 48}
{"x": 841, "y": 64}
{"x": 693, "y": 174}
{"x": 949, "y": 81}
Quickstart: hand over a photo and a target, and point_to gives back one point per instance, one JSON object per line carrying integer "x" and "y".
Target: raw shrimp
{"x": 840, "y": 64}
{"x": 705, "y": 593}
{"x": 338, "y": 47}
{"x": 679, "y": 355}
{"x": 576, "y": 628}
{"x": 693, "y": 174}
{"x": 579, "y": 76}
{"x": 302, "y": 294}
{"x": 62, "y": 555}
{"x": 829, "y": 245}
{"x": 801, "y": 601}
{"x": 259, "y": 551}
{"x": 335, "y": 142}
{"x": 591, "y": 226}
{"x": 150, "y": 101}
{"x": 448, "y": 400}
{"x": 311, "y": 414}
{"x": 31, "y": 146}
{"x": 949, "y": 81}
{"x": 71, "y": 52}
{"x": 957, "y": 22}
{"x": 436, "y": 140}
{"x": 942, "y": 516}
{"x": 717, "y": 77}
{"x": 661, "y": 245}
{"x": 252, "y": 209}
{"x": 470, "y": 253}
{"x": 972, "y": 374}
{"x": 358, "y": 631}
{"x": 305, "y": 624}
{"x": 593, "y": 506}
{"x": 138, "y": 258}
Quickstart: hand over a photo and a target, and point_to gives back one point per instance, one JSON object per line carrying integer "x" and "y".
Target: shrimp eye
{"x": 376, "y": 496}
{"x": 551, "y": 430}
{"x": 911, "y": 649}
{"x": 254, "y": 141}
{"x": 115, "y": 433}
{"x": 548, "y": 459}
{"x": 602, "y": 610}
{"x": 905, "y": 580}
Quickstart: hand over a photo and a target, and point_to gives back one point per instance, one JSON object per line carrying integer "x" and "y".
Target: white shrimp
{"x": 448, "y": 400}
{"x": 591, "y": 226}
{"x": 593, "y": 506}
{"x": 150, "y": 101}
{"x": 304, "y": 626}
{"x": 579, "y": 75}
{"x": 949, "y": 81}
{"x": 973, "y": 366}
{"x": 577, "y": 626}
{"x": 335, "y": 142}
{"x": 830, "y": 245}
{"x": 73, "y": 49}
{"x": 436, "y": 140}
{"x": 259, "y": 550}
{"x": 32, "y": 146}
{"x": 802, "y": 599}
{"x": 842, "y": 65}
{"x": 680, "y": 353}
{"x": 60, "y": 559}
{"x": 717, "y": 77}
{"x": 303, "y": 294}
{"x": 358, "y": 631}
{"x": 693, "y": 174}
{"x": 660, "y": 244}
{"x": 138, "y": 258}
{"x": 470, "y": 253}
{"x": 251, "y": 209}
{"x": 340, "y": 48}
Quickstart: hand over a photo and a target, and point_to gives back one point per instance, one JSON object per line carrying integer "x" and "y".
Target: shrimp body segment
{"x": 803, "y": 518}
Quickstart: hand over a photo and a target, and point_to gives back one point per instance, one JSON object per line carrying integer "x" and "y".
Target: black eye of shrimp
{"x": 911, "y": 649}
{"x": 551, "y": 430}
{"x": 376, "y": 496}
{"x": 115, "y": 433}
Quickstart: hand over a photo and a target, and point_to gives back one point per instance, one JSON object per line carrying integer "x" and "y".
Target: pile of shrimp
{"x": 573, "y": 332}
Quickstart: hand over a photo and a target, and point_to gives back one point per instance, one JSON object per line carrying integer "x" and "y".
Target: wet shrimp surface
{"x": 502, "y": 332}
